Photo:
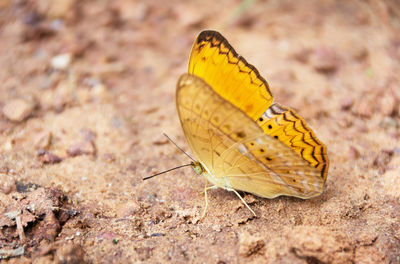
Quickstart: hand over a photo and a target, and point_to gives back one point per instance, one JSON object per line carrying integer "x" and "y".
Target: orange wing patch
{"x": 285, "y": 125}
{"x": 215, "y": 61}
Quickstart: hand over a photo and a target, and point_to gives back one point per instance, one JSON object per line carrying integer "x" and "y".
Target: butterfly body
{"x": 242, "y": 140}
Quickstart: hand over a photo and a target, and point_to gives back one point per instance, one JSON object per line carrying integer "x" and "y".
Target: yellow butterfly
{"x": 240, "y": 137}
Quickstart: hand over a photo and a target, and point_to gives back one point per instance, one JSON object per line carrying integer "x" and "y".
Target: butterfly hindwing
{"x": 283, "y": 123}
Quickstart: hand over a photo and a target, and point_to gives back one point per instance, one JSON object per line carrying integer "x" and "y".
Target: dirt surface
{"x": 87, "y": 89}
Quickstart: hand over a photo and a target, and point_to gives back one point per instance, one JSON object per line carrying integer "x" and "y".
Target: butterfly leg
{"x": 208, "y": 188}
{"x": 205, "y": 197}
{"x": 240, "y": 197}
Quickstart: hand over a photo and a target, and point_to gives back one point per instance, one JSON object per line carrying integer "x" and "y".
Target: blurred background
{"x": 88, "y": 87}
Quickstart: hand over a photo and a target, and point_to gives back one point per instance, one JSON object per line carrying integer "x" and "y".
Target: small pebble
{"x": 364, "y": 108}
{"x": 353, "y": 153}
{"x": 157, "y": 234}
{"x": 83, "y": 148}
{"x": 18, "y": 109}
{"x": 160, "y": 140}
{"x": 302, "y": 55}
{"x": 130, "y": 208}
{"x": 62, "y": 61}
{"x": 216, "y": 228}
{"x": 324, "y": 60}
{"x": 70, "y": 253}
{"x": 250, "y": 245}
{"x": 388, "y": 104}
{"x": 388, "y": 122}
{"x": 346, "y": 103}
{"x": 48, "y": 158}
{"x": 43, "y": 140}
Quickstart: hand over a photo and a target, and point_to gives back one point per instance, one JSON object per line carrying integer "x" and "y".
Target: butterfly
{"x": 242, "y": 140}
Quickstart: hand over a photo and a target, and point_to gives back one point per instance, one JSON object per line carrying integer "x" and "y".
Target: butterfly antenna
{"x": 178, "y": 146}
{"x": 154, "y": 175}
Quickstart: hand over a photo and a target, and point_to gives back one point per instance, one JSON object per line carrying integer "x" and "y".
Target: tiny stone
{"x": 60, "y": 8}
{"x": 130, "y": 208}
{"x": 160, "y": 140}
{"x": 388, "y": 104}
{"x": 109, "y": 157}
{"x": 43, "y": 140}
{"x": 353, "y": 153}
{"x": 216, "y": 228}
{"x": 250, "y": 245}
{"x": 62, "y": 61}
{"x": 18, "y": 109}
{"x": 83, "y": 148}
{"x": 49, "y": 158}
{"x": 88, "y": 135}
{"x": 324, "y": 60}
{"x": 70, "y": 253}
{"x": 346, "y": 103}
{"x": 8, "y": 184}
{"x": 388, "y": 122}
{"x": 99, "y": 90}
{"x": 364, "y": 108}
{"x": 302, "y": 55}
{"x": 12, "y": 215}
{"x": 8, "y": 253}
{"x": 396, "y": 151}
{"x": 382, "y": 159}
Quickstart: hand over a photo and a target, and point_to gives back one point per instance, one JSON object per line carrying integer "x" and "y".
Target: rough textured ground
{"x": 87, "y": 89}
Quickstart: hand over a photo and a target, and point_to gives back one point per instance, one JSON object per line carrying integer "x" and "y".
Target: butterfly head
{"x": 197, "y": 167}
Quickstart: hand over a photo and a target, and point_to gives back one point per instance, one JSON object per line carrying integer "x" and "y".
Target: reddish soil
{"x": 88, "y": 88}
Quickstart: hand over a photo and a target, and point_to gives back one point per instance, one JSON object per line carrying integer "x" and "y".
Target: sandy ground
{"x": 87, "y": 89}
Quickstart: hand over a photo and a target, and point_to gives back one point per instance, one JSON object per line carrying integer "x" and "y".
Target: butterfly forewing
{"x": 207, "y": 118}
{"x": 213, "y": 59}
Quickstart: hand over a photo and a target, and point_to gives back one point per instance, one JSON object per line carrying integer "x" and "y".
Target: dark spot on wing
{"x": 240, "y": 134}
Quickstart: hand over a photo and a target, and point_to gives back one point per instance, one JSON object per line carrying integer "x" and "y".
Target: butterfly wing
{"x": 283, "y": 123}
{"x": 271, "y": 169}
{"x": 236, "y": 151}
{"x": 243, "y": 139}
{"x": 214, "y": 60}
{"x": 210, "y": 123}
